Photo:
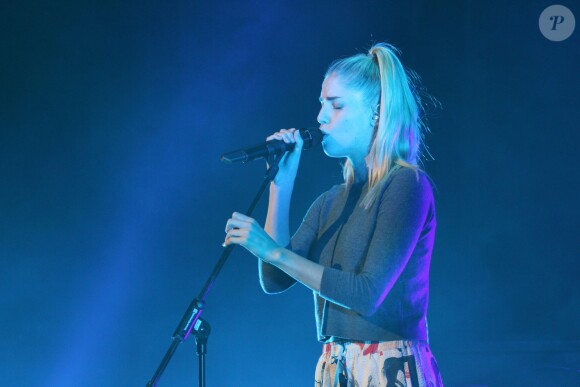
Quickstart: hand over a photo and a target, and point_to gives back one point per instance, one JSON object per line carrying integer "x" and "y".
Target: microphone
{"x": 311, "y": 137}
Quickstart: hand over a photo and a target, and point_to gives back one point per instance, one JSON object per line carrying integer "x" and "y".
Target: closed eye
{"x": 329, "y": 99}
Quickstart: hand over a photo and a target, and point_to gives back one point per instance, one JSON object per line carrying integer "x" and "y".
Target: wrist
{"x": 275, "y": 256}
{"x": 280, "y": 187}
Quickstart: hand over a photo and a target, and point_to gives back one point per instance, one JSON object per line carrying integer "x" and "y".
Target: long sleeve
{"x": 404, "y": 208}
{"x": 274, "y": 280}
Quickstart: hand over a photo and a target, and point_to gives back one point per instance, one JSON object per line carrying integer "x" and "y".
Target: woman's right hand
{"x": 289, "y": 163}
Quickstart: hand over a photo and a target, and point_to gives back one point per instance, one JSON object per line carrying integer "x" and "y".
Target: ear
{"x": 376, "y": 112}
{"x": 375, "y": 120}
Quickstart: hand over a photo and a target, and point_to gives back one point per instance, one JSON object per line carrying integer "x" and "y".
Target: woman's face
{"x": 345, "y": 119}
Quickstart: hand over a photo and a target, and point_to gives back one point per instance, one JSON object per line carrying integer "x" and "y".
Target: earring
{"x": 376, "y": 112}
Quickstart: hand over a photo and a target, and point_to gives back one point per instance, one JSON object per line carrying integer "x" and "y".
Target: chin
{"x": 326, "y": 149}
{"x": 331, "y": 152}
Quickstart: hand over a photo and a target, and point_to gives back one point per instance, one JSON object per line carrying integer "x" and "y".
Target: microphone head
{"x": 312, "y": 137}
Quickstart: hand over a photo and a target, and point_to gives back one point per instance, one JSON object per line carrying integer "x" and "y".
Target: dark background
{"x": 113, "y": 199}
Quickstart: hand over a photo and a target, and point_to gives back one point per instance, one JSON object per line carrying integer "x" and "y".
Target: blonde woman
{"x": 364, "y": 247}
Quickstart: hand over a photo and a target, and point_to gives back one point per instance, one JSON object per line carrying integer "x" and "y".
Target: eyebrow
{"x": 329, "y": 98}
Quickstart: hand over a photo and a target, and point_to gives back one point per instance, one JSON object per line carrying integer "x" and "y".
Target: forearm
{"x": 277, "y": 220}
{"x": 301, "y": 269}
{"x": 272, "y": 279}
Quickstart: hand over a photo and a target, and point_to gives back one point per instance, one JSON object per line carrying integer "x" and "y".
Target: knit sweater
{"x": 375, "y": 284}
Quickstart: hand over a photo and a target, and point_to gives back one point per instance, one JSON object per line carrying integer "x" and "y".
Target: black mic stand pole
{"x": 201, "y": 336}
{"x": 193, "y": 312}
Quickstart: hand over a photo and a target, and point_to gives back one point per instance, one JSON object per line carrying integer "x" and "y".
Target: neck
{"x": 360, "y": 170}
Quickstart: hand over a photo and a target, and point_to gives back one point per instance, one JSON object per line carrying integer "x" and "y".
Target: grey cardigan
{"x": 375, "y": 285}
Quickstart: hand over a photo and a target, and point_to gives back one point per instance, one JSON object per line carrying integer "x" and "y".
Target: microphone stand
{"x": 201, "y": 337}
{"x": 191, "y": 319}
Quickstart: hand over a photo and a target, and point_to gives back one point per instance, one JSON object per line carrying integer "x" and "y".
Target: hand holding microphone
{"x": 276, "y": 145}
{"x": 288, "y": 165}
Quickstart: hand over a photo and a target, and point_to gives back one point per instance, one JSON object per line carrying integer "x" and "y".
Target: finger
{"x": 235, "y": 236}
{"x": 227, "y": 241}
{"x": 237, "y": 232}
{"x": 236, "y": 223}
{"x": 279, "y": 135}
{"x": 298, "y": 138}
{"x": 289, "y": 137}
{"x": 239, "y": 216}
{"x": 233, "y": 241}
{"x": 275, "y": 136}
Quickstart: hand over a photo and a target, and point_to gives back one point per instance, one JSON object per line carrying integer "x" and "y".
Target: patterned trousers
{"x": 377, "y": 364}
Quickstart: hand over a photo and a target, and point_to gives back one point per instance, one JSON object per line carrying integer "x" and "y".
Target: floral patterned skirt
{"x": 377, "y": 364}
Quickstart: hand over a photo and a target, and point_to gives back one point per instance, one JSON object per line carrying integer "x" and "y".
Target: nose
{"x": 322, "y": 117}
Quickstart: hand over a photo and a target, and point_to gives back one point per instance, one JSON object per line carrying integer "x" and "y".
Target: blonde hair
{"x": 398, "y": 132}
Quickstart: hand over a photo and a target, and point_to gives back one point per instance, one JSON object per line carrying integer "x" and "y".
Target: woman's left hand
{"x": 245, "y": 231}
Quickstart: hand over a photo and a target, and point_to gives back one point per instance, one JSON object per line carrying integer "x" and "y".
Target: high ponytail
{"x": 397, "y": 136}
